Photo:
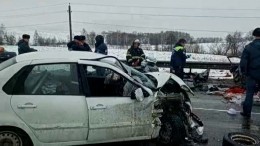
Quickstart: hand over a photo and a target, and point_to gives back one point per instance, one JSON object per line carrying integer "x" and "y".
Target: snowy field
{"x": 160, "y": 56}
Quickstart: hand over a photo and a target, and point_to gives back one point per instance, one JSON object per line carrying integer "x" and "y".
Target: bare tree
{"x": 2, "y": 34}
{"x": 36, "y": 38}
{"x": 218, "y": 49}
{"x": 195, "y": 48}
{"x": 91, "y": 38}
{"x": 235, "y": 43}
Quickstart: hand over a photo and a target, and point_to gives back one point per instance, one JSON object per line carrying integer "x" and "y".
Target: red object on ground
{"x": 236, "y": 90}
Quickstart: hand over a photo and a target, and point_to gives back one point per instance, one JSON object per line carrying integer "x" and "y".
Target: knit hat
{"x": 137, "y": 41}
{"x": 76, "y": 37}
{"x": 256, "y": 32}
{"x": 26, "y": 36}
{"x": 82, "y": 38}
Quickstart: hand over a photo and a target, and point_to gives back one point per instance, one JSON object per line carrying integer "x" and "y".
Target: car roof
{"x": 70, "y": 55}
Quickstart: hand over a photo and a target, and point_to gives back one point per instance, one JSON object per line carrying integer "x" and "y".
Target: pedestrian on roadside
{"x": 250, "y": 67}
{"x": 23, "y": 45}
{"x": 100, "y": 46}
{"x": 178, "y": 58}
{"x": 135, "y": 55}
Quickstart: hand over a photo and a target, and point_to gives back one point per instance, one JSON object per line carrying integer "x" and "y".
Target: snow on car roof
{"x": 72, "y": 55}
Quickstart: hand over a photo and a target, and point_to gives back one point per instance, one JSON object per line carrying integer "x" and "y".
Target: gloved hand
{"x": 188, "y": 56}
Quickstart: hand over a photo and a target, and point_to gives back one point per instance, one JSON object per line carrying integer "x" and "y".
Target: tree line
{"x": 6, "y": 38}
{"x": 232, "y": 44}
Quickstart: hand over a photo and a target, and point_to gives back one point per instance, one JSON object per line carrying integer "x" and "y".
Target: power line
{"x": 28, "y": 8}
{"x": 61, "y": 22}
{"x": 35, "y": 14}
{"x": 153, "y": 7}
{"x": 160, "y": 28}
{"x": 168, "y": 15}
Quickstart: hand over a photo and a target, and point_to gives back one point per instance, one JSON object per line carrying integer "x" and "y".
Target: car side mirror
{"x": 138, "y": 94}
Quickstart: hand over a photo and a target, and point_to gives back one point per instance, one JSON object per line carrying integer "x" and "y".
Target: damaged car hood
{"x": 163, "y": 77}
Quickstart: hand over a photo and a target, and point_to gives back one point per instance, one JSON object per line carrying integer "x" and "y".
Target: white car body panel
{"x": 71, "y": 120}
{"x": 54, "y": 116}
{"x": 124, "y": 117}
{"x": 163, "y": 77}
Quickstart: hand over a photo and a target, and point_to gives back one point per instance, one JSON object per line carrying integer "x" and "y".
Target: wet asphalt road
{"x": 212, "y": 111}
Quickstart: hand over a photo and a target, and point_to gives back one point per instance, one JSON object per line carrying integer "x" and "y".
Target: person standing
{"x": 135, "y": 55}
{"x": 23, "y": 45}
{"x": 178, "y": 58}
{"x": 100, "y": 46}
{"x": 73, "y": 44}
{"x": 84, "y": 45}
{"x": 250, "y": 67}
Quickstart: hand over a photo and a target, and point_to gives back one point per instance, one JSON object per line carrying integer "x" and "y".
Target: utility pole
{"x": 70, "y": 27}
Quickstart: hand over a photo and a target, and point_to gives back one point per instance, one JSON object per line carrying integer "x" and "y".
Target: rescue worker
{"x": 178, "y": 58}
{"x": 100, "y": 46}
{"x": 135, "y": 55}
{"x": 250, "y": 67}
{"x": 23, "y": 45}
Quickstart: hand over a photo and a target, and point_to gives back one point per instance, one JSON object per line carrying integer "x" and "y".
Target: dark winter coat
{"x": 23, "y": 47}
{"x": 178, "y": 58}
{"x": 133, "y": 54}
{"x": 101, "y": 47}
{"x": 73, "y": 46}
{"x": 6, "y": 55}
{"x": 250, "y": 60}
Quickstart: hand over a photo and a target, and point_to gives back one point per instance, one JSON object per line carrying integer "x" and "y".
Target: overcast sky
{"x": 49, "y": 12}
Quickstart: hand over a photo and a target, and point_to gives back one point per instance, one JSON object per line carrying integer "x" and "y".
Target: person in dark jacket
{"x": 100, "y": 46}
{"x": 250, "y": 67}
{"x": 79, "y": 44}
{"x": 178, "y": 58}
{"x": 23, "y": 45}
{"x": 73, "y": 43}
{"x": 135, "y": 55}
{"x": 84, "y": 46}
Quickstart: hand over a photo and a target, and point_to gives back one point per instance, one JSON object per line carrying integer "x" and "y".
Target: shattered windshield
{"x": 131, "y": 71}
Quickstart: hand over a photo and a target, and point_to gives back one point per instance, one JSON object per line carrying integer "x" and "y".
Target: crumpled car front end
{"x": 178, "y": 123}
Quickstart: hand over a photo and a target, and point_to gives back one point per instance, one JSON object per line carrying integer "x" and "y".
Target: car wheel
{"x": 10, "y": 138}
{"x": 172, "y": 131}
{"x": 238, "y": 139}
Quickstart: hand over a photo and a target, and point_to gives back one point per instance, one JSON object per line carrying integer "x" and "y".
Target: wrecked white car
{"x": 75, "y": 98}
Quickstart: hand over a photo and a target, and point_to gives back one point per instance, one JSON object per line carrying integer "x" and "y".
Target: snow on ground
{"x": 160, "y": 56}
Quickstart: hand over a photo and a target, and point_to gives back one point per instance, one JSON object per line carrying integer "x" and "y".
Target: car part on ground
{"x": 240, "y": 139}
{"x": 238, "y": 78}
{"x": 196, "y": 80}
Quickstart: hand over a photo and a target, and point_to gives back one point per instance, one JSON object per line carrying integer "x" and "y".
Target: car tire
{"x": 8, "y": 137}
{"x": 172, "y": 131}
{"x": 240, "y": 139}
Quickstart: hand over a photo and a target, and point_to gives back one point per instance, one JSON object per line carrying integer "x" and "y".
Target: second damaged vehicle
{"x": 76, "y": 98}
